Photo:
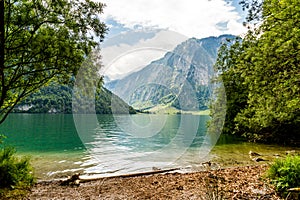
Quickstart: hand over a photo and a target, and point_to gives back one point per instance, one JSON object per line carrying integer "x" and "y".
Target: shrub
{"x": 285, "y": 173}
{"x": 14, "y": 171}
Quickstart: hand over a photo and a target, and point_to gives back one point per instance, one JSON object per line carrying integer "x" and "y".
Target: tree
{"x": 236, "y": 91}
{"x": 261, "y": 76}
{"x": 43, "y": 40}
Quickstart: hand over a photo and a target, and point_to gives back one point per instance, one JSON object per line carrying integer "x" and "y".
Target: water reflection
{"x": 103, "y": 147}
{"x": 115, "y": 148}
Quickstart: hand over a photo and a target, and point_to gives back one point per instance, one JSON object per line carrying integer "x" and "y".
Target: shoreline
{"x": 184, "y": 170}
{"x": 243, "y": 182}
{"x": 221, "y": 157}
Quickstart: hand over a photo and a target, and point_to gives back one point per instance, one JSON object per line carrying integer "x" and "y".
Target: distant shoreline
{"x": 173, "y": 111}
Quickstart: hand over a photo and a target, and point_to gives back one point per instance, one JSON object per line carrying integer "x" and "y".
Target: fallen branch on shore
{"x": 76, "y": 179}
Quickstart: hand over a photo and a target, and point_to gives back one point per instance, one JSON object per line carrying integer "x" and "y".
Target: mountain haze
{"x": 180, "y": 79}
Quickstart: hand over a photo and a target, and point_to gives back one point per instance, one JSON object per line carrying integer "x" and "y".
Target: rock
{"x": 258, "y": 159}
{"x": 251, "y": 153}
{"x": 155, "y": 183}
{"x": 291, "y": 152}
{"x": 208, "y": 163}
{"x": 180, "y": 187}
{"x": 77, "y": 182}
{"x": 71, "y": 180}
{"x": 156, "y": 168}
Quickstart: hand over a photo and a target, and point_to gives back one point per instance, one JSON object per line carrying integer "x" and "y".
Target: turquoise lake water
{"x": 107, "y": 145}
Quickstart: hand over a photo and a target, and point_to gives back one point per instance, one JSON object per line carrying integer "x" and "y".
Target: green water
{"x": 111, "y": 145}
{"x": 51, "y": 141}
{"x": 41, "y": 133}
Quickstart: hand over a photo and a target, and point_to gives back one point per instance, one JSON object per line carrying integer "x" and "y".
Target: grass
{"x": 16, "y": 176}
{"x": 285, "y": 174}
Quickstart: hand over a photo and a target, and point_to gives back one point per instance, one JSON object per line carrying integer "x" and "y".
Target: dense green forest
{"x": 57, "y": 98}
{"x": 261, "y": 75}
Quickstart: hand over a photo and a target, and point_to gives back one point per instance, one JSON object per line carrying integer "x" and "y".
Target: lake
{"x": 106, "y": 145}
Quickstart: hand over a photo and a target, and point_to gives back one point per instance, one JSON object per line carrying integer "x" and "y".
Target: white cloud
{"x": 193, "y": 18}
{"x": 123, "y": 56}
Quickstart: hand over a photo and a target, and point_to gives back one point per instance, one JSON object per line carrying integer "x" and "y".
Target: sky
{"x": 193, "y": 18}
{"x": 141, "y": 31}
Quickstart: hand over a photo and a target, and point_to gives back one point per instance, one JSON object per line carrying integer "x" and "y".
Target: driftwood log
{"x": 75, "y": 179}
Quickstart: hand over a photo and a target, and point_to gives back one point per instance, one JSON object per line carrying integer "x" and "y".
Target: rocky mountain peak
{"x": 181, "y": 75}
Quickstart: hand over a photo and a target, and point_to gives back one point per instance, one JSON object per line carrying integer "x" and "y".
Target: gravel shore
{"x": 245, "y": 182}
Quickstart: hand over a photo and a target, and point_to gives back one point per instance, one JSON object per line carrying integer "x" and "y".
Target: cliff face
{"x": 180, "y": 79}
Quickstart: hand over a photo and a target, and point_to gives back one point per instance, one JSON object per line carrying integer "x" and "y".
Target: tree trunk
{"x": 2, "y": 46}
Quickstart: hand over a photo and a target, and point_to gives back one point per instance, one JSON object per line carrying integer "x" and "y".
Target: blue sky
{"x": 193, "y": 18}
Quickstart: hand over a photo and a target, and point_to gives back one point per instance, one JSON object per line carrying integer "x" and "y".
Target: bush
{"x": 14, "y": 171}
{"x": 285, "y": 173}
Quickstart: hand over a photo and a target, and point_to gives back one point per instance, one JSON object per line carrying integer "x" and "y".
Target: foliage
{"x": 261, "y": 76}
{"x": 254, "y": 9}
{"x": 41, "y": 41}
{"x": 57, "y": 98}
{"x": 234, "y": 89}
{"x": 1, "y": 138}
{"x": 285, "y": 173}
{"x": 108, "y": 103}
{"x": 14, "y": 172}
{"x": 52, "y": 98}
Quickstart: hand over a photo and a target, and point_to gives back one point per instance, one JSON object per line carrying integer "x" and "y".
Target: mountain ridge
{"x": 177, "y": 75}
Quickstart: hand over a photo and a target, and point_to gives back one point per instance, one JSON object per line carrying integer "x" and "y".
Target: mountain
{"x": 143, "y": 45}
{"x": 57, "y": 98}
{"x": 180, "y": 79}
